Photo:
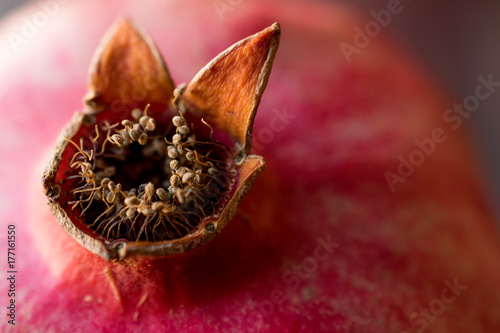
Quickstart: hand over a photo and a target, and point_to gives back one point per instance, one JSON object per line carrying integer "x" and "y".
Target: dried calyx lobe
{"x": 148, "y": 177}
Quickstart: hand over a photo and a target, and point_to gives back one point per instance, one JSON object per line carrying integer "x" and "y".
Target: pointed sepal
{"x": 127, "y": 69}
{"x": 227, "y": 91}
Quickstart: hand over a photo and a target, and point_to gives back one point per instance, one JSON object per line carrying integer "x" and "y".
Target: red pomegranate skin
{"x": 328, "y": 130}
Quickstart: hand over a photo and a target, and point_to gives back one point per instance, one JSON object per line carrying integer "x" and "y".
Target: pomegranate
{"x": 323, "y": 242}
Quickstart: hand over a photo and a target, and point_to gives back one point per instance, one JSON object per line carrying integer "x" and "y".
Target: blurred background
{"x": 458, "y": 41}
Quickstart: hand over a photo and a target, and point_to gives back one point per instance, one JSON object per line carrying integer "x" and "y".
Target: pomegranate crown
{"x": 154, "y": 169}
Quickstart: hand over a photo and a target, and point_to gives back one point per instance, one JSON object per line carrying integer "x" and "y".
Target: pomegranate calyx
{"x": 163, "y": 174}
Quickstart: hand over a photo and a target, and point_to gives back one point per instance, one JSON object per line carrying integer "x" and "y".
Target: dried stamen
{"x": 127, "y": 200}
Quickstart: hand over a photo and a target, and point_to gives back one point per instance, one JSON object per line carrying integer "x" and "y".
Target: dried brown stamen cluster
{"x": 127, "y": 182}
{"x": 163, "y": 191}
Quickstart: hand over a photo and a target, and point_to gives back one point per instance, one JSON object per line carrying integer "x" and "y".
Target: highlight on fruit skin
{"x": 161, "y": 172}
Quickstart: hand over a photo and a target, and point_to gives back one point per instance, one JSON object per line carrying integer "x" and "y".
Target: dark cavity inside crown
{"x": 146, "y": 178}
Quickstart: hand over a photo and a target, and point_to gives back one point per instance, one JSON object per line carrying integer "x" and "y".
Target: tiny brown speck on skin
{"x": 114, "y": 287}
{"x": 139, "y": 304}
{"x": 88, "y": 298}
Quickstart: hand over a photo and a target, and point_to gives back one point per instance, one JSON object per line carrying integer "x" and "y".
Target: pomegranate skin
{"x": 329, "y": 131}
